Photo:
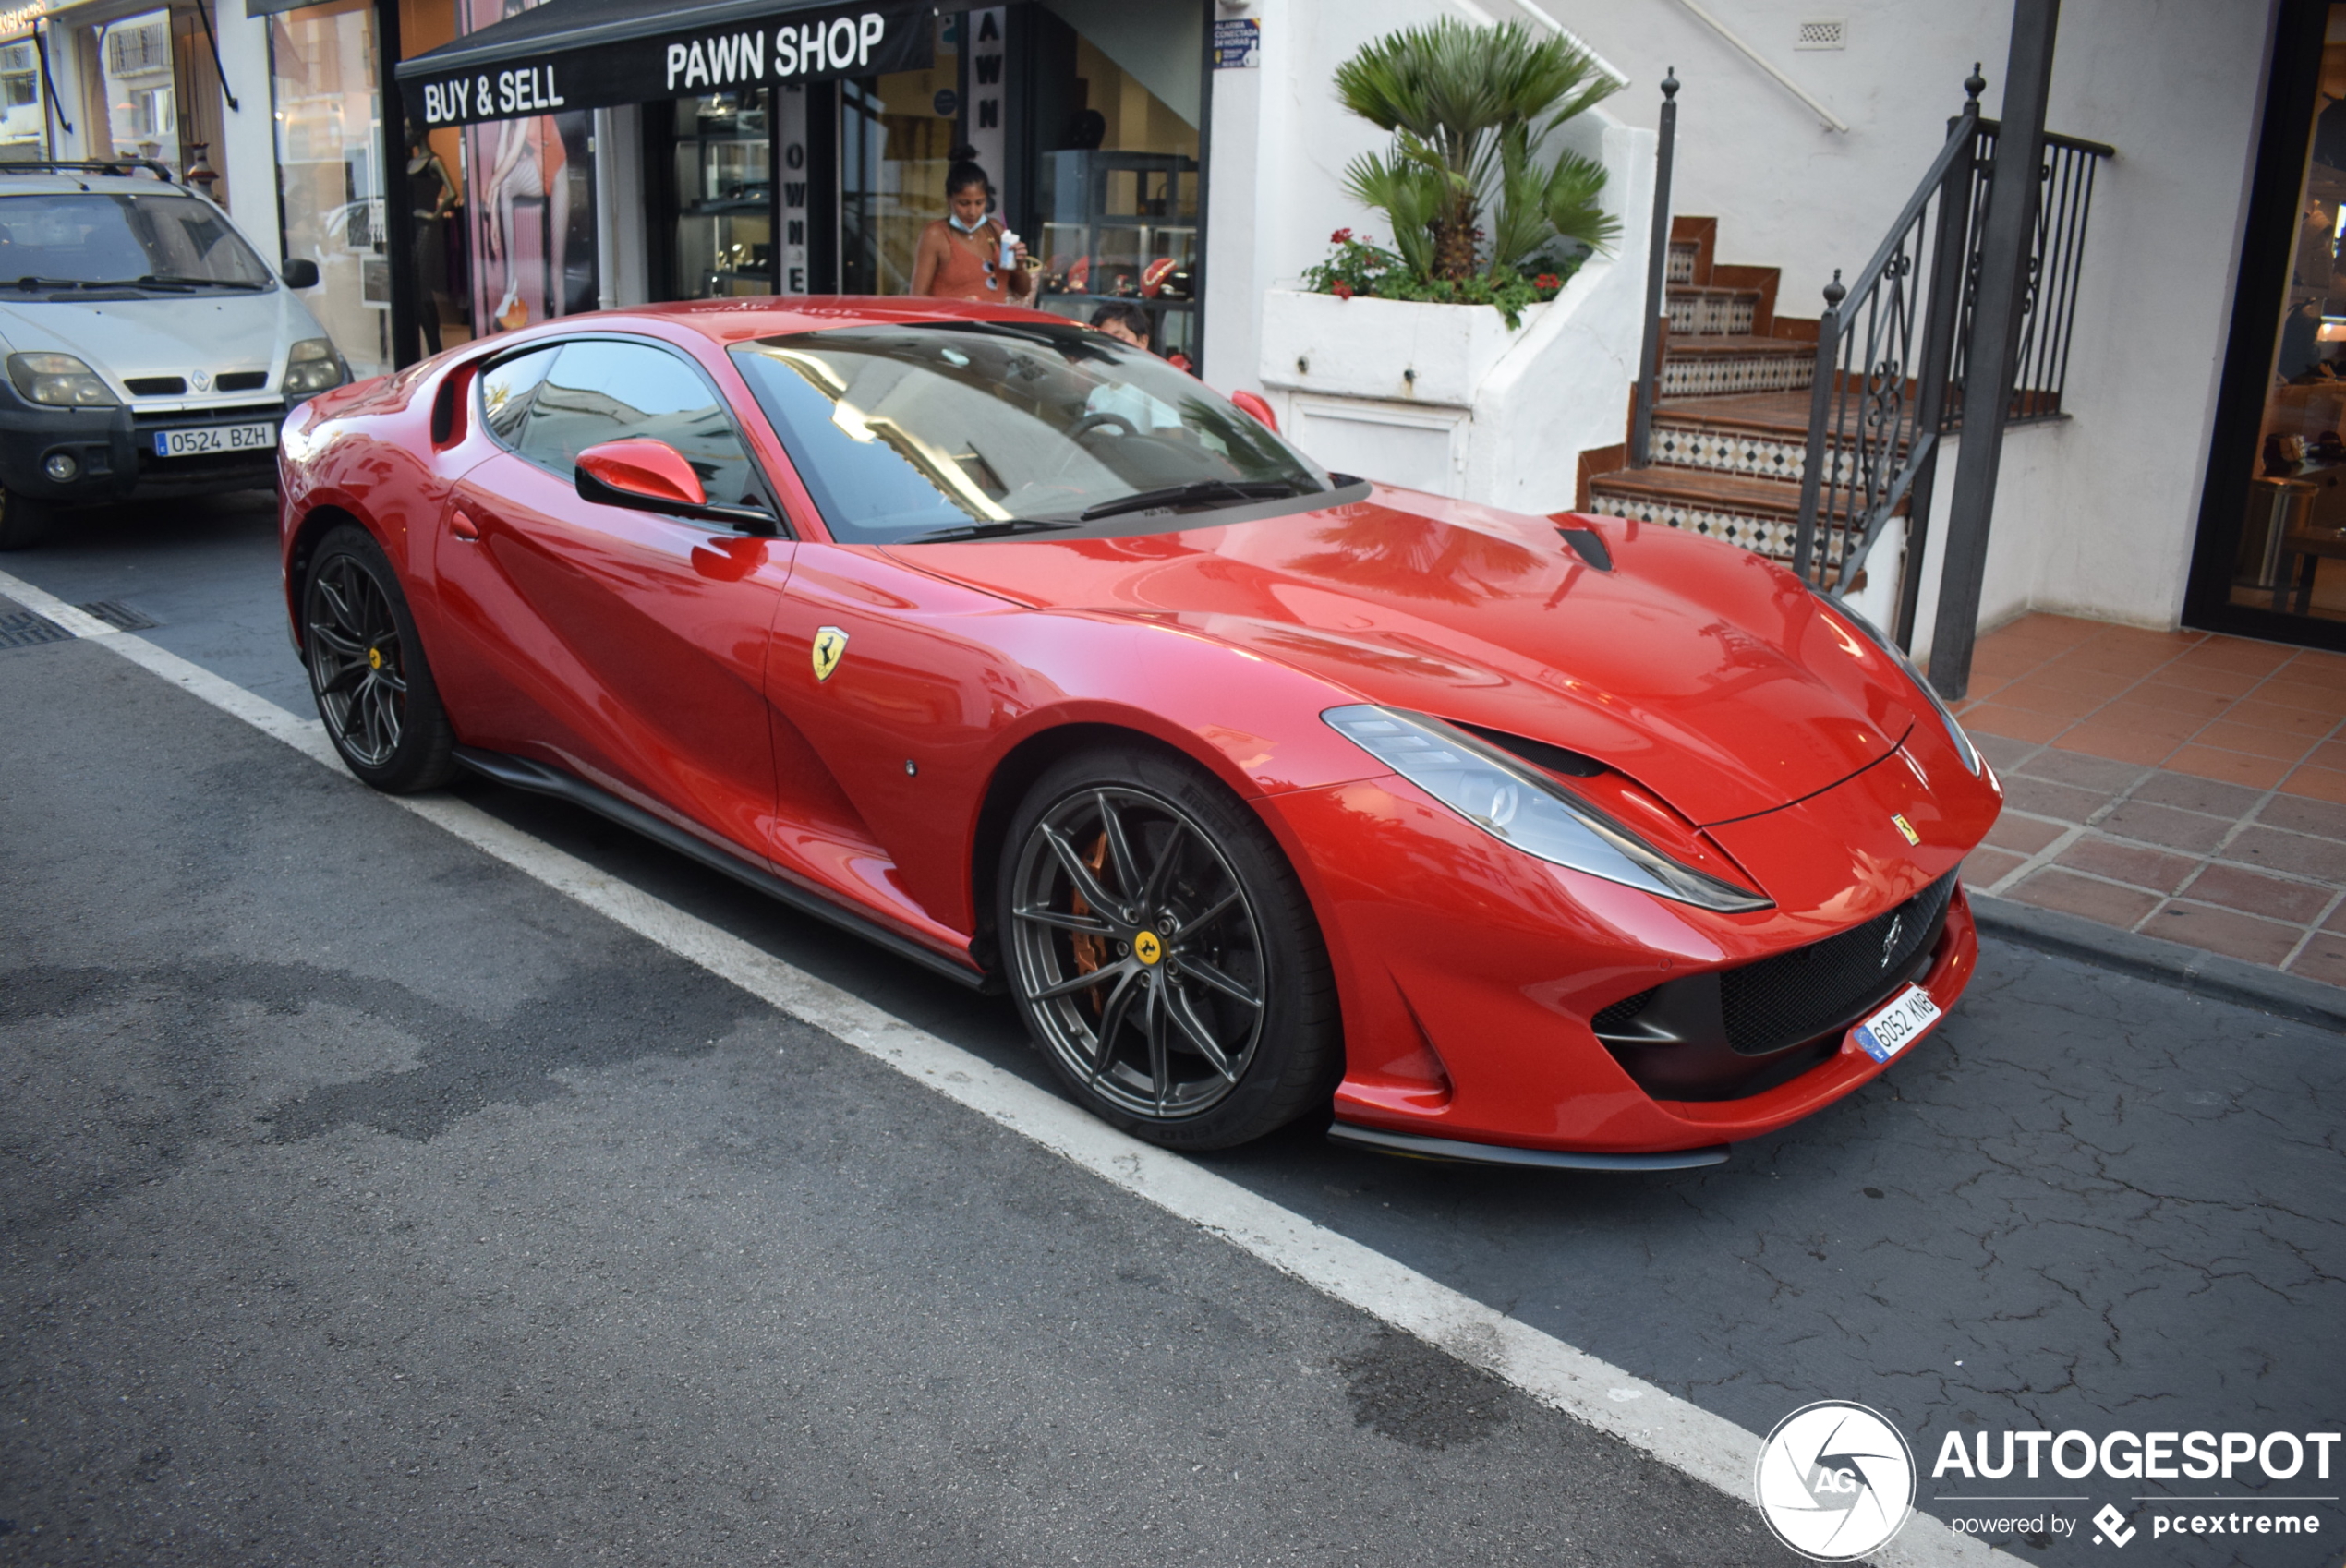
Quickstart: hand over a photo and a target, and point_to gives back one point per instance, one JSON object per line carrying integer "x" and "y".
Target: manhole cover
{"x": 22, "y": 629}
{"x": 120, "y": 615}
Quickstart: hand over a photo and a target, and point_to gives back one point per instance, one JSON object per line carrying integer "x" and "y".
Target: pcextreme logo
{"x": 1835, "y": 1482}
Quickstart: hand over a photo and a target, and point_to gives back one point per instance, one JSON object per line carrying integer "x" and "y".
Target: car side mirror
{"x": 299, "y": 271}
{"x": 645, "y": 474}
{"x": 1253, "y": 404}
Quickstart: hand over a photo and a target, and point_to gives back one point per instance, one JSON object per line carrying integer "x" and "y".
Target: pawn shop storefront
{"x": 614, "y": 152}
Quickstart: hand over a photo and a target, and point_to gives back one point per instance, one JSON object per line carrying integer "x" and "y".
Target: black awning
{"x": 570, "y": 54}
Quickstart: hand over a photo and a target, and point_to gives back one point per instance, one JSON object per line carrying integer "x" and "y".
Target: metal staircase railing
{"x": 1890, "y": 358}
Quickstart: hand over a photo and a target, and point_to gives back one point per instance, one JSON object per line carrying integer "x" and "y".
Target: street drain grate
{"x": 22, "y": 629}
{"x": 120, "y": 615}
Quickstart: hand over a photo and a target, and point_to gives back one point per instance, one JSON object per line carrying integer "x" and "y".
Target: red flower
{"x": 1341, "y": 236}
{"x": 1341, "y": 289}
{"x": 1548, "y": 281}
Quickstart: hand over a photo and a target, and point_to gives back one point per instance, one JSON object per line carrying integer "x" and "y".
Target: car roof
{"x": 737, "y": 320}
{"x": 50, "y": 185}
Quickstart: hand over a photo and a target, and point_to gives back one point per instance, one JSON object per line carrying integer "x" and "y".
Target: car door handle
{"x": 463, "y": 528}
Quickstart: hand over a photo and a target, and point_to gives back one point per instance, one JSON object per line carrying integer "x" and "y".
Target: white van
{"x": 148, "y": 349}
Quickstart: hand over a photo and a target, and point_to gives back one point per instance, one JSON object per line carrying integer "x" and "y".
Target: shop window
{"x": 896, "y": 139}
{"x": 330, "y": 181}
{"x": 723, "y": 160}
{"x": 24, "y": 117}
{"x": 1114, "y": 191}
{"x": 530, "y": 196}
{"x": 2291, "y": 550}
{"x": 135, "y": 65}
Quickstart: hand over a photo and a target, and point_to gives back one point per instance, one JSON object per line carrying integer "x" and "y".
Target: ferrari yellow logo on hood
{"x": 830, "y": 647}
{"x": 1907, "y": 827}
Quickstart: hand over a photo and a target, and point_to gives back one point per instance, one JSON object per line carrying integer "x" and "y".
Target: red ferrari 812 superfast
{"x": 1261, "y": 790}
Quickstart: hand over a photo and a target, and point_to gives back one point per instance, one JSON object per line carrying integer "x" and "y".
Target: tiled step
{"x": 1762, "y": 515}
{"x": 1713, "y": 312}
{"x": 1710, "y": 366}
{"x": 1758, "y": 515}
{"x": 1682, "y": 259}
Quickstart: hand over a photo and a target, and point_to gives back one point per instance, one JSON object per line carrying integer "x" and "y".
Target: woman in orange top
{"x": 960, "y": 256}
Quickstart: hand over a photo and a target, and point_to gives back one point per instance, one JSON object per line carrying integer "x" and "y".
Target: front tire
{"x": 1164, "y": 954}
{"x": 23, "y": 521}
{"x": 366, "y": 669}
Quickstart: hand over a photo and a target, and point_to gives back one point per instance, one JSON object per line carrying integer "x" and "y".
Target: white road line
{"x": 68, "y": 617}
{"x": 1682, "y": 1435}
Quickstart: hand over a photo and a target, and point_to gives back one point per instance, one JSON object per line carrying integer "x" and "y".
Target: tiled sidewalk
{"x": 2182, "y": 785}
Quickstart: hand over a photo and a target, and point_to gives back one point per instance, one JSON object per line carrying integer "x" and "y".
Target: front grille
{"x": 155, "y": 386}
{"x": 243, "y": 380}
{"x": 1797, "y": 995}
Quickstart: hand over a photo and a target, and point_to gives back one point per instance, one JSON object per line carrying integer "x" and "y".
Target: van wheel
{"x": 23, "y": 521}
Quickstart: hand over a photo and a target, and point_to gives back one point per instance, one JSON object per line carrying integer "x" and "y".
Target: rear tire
{"x": 23, "y": 521}
{"x": 368, "y": 672}
{"x": 1213, "y": 1019}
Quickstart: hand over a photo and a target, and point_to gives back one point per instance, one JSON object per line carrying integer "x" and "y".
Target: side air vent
{"x": 155, "y": 386}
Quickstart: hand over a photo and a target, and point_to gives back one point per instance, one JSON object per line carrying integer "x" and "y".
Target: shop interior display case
{"x": 1121, "y": 226}
{"x": 724, "y": 172}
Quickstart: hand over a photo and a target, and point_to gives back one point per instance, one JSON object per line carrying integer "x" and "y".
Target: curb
{"x": 2192, "y": 969}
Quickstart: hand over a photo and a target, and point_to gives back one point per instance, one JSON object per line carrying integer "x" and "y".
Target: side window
{"x": 605, "y": 392}
{"x": 504, "y": 392}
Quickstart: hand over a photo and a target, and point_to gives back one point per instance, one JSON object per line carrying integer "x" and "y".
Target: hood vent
{"x": 1539, "y": 754}
{"x": 1589, "y": 545}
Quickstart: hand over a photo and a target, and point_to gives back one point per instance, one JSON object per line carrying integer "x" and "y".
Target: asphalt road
{"x": 550, "y": 1246}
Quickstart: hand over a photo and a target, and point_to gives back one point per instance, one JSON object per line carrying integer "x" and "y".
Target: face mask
{"x": 965, "y": 228}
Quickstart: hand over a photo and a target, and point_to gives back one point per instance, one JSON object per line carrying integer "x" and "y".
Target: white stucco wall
{"x": 249, "y": 158}
{"x": 2097, "y": 519}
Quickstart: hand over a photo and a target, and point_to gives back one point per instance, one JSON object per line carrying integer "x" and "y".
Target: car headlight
{"x": 312, "y": 366}
{"x": 59, "y": 381}
{"x": 1873, "y": 634}
{"x": 1516, "y": 806}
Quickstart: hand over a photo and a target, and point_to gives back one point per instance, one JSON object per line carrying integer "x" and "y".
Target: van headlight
{"x": 1873, "y": 634}
{"x": 1510, "y": 802}
{"x": 59, "y": 381}
{"x": 312, "y": 366}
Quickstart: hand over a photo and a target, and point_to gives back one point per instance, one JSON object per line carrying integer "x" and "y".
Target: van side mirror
{"x": 299, "y": 271}
{"x": 645, "y": 474}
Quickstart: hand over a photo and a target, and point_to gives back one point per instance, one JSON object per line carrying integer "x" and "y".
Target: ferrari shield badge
{"x": 1903, "y": 826}
{"x": 830, "y": 647}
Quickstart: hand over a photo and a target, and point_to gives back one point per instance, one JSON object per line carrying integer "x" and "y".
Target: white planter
{"x": 1389, "y": 349}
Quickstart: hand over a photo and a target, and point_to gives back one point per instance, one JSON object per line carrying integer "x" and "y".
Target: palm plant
{"x": 1469, "y": 108}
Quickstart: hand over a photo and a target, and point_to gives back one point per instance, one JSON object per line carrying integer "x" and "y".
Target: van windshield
{"x": 81, "y": 238}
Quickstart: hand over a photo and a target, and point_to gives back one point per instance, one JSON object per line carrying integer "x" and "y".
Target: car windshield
{"x": 967, "y": 428}
{"x": 82, "y": 237}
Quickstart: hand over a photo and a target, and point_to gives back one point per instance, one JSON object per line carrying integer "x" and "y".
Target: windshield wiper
{"x": 30, "y": 283}
{"x": 988, "y": 530}
{"x": 1194, "y": 493}
{"x": 151, "y": 281}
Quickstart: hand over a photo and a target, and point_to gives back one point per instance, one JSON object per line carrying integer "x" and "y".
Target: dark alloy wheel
{"x": 366, "y": 669}
{"x": 1162, "y": 954}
